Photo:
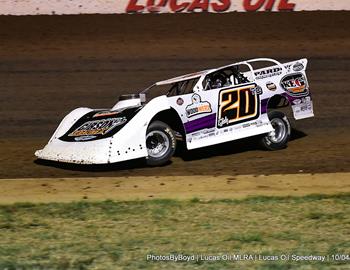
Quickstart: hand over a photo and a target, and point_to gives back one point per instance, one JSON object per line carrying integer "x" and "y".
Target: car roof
{"x": 184, "y": 77}
{"x": 205, "y": 72}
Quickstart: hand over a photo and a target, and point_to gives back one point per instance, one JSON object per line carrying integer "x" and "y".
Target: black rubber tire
{"x": 161, "y": 128}
{"x": 266, "y": 142}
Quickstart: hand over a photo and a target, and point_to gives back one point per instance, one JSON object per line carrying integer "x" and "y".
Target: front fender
{"x": 68, "y": 121}
{"x": 127, "y": 143}
{"x": 130, "y": 141}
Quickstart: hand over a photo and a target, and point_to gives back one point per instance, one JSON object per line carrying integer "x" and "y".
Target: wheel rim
{"x": 280, "y": 131}
{"x": 157, "y": 143}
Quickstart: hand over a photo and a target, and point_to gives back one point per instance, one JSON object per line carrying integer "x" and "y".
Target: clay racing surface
{"x": 50, "y": 65}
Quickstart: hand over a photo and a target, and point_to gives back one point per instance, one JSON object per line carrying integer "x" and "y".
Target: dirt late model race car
{"x": 203, "y": 108}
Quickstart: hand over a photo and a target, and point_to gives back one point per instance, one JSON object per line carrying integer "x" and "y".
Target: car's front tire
{"x": 160, "y": 143}
{"x": 277, "y": 139}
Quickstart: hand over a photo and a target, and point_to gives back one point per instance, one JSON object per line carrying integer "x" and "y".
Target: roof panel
{"x": 184, "y": 77}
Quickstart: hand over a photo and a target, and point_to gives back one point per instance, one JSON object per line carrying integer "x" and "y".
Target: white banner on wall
{"x": 36, "y": 7}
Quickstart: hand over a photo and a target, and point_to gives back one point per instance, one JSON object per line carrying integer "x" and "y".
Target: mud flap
{"x": 302, "y": 108}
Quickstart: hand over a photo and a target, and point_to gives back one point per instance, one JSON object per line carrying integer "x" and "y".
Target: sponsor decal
{"x": 226, "y": 130}
{"x": 173, "y": 139}
{"x": 298, "y": 66}
{"x": 198, "y": 106}
{"x": 296, "y": 101}
{"x": 98, "y": 127}
{"x": 302, "y": 105}
{"x": 257, "y": 123}
{"x": 268, "y": 5}
{"x": 179, "y": 101}
{"x": 271, "y": 86}
{"x": 238, "y": 105}
{"x": 152, "y": 6}
{"x": 288, "y": 67}
{"x": 104, "y": 114}
{"x": 206, "y": 133}
{"x": 256, "y": 90}
{"x": 32, "y": 7}
{"x": 84, "y": 138}
{"x": 267, "y": 73}
{"x": 295, "y": 85}
{"x": 223, "y": 121}
{"x": 203, "y": 131}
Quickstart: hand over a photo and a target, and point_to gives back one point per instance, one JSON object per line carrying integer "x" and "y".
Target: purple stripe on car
{"x": 264, "y": 105}
{"x": 264, "y": 102}
{"x": 200, "y": 123}
{"x": 290, "y": 98}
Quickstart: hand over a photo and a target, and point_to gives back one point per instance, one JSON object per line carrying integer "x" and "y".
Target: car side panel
{"x": 207, "y": 119}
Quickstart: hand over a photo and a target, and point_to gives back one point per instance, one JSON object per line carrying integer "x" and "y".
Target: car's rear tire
{"x": 277, "y": 139}
{"x": 160, "y": 143}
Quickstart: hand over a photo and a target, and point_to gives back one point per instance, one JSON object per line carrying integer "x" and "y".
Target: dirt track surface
{"x": 50, "y": 65}
{"x": 46, "y": 190}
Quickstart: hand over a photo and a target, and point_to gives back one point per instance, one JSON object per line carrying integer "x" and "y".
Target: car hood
{"x": 99, "y": 124}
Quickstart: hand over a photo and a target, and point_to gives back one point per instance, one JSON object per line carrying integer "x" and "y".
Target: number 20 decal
{"x": 238, "y": 105}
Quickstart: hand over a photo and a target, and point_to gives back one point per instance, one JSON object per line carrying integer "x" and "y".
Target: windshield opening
{"x": 170, "y": 90}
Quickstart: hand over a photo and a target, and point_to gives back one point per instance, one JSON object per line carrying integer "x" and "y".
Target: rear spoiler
{"x": 297, "y": 66}
{"x": 279, "y": 68}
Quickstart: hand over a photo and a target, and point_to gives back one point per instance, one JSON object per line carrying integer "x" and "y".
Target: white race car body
{"x": 209, "y": 113}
